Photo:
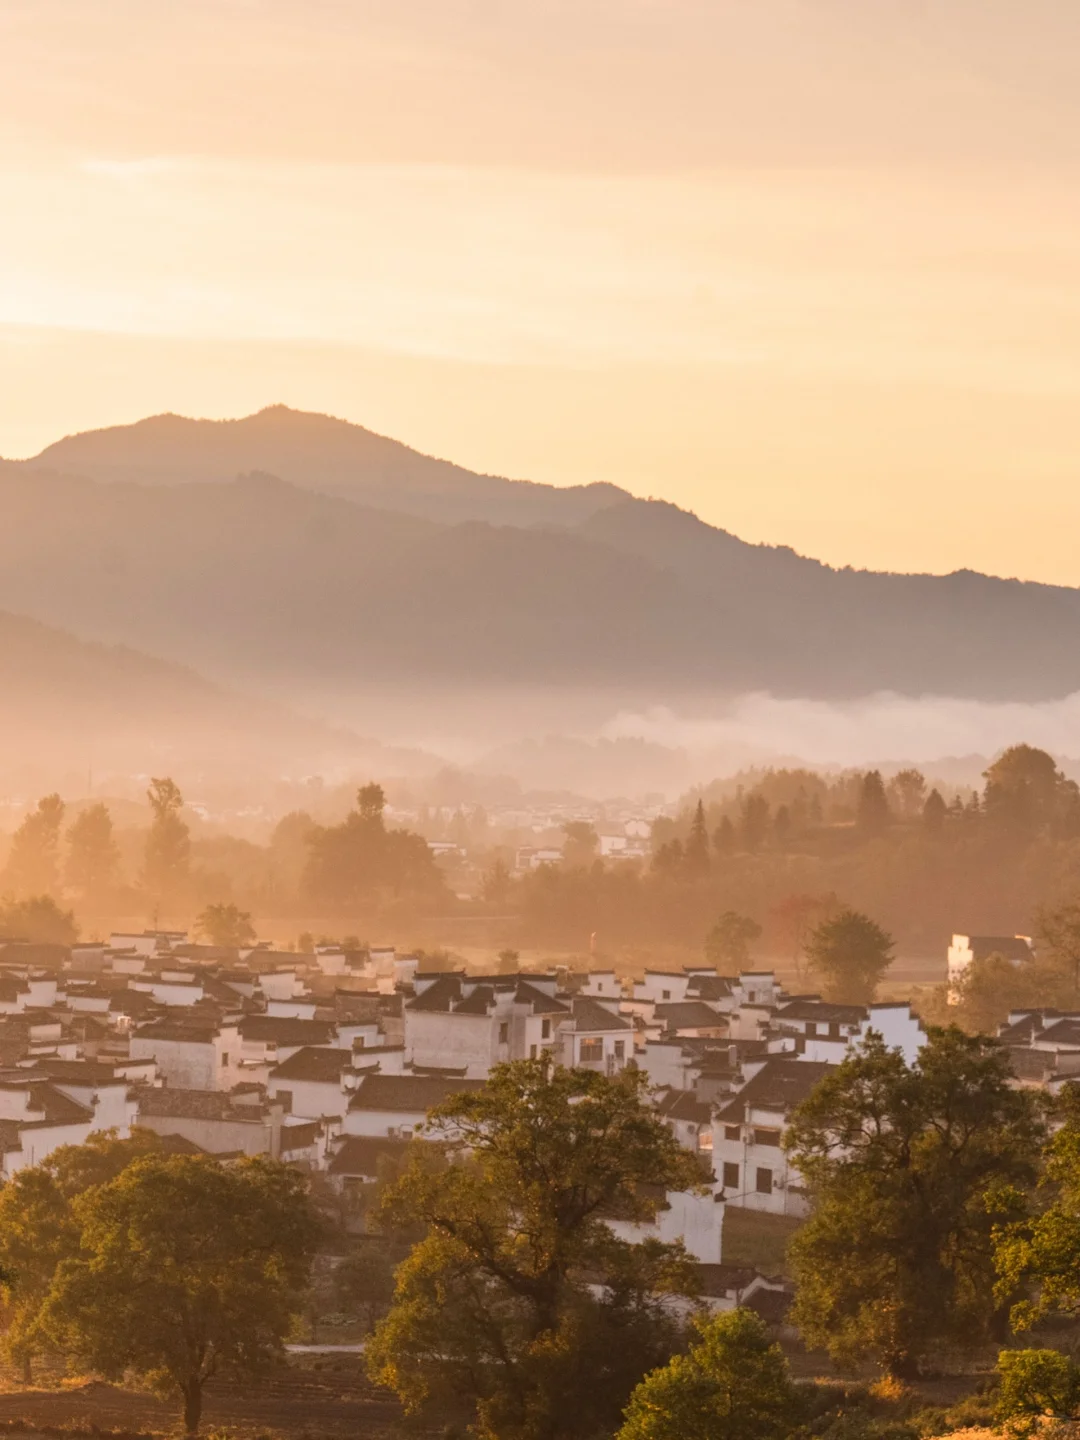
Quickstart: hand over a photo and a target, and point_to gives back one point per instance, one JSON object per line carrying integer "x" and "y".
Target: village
{"x": 330, "y": 1061}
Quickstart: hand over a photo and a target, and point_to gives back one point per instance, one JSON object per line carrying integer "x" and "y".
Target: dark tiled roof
{"x": 360, "y": 1155}
{"x": 175, "y": 1030}
{"x": 779, "y": 1085}
{"x": 1010, "y": 947}
{"x": 442, "y": 994}
{"x": 591, "y": 1015}
{"x": 298, "y": 1137}
{"x": 823, "y": 1011}
{"x": 688, "y": 1014}
{"x": 718, "y": 1281}
{"x": 314, "y": 1063}
{"x": 195, "y": 1105}
{"x": 281, "y": 1030}
{"x": 180, "y": 1145}
{"x": 710, "y": 987}
{"x": 684, "y": 1105}
{"x": 58, "y": 1108}
{"x": 409, "y": 1094}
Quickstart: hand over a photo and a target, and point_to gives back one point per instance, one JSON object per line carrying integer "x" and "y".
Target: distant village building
{"x": 964, "y": 950}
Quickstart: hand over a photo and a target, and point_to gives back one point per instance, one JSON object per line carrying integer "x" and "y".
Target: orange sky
{"x": 810, "y": 267}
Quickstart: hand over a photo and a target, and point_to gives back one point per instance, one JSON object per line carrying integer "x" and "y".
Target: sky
{"x": 810, "y": 268}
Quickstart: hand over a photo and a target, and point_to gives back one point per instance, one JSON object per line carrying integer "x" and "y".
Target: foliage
{"x": 992, "y": 986}
{"x": 1027, "y": 794}
{"x": 1044, "y": 1249}
{"x": 186, "y": 1268}
{"x": 38, "y": 1228}
{"x": 38, "y": 919}
{"x": 728, "y": 942}
{"x": 907, "y": 1171}
{"x": 850, "y": 953}
{"x": 873, "y": 812}
{"x": 732, "y": 1384}
{"x": 1036, "y": 1385}
{"x": 361, "y": 859}
{"x": 493, "y": 1305}
{"x": 581, "y": 844}
{"x": 364, "y": 1281}
{"x": 168, "y": 841}
{"x": 33, "y": 863}
{"x": 226, "y": 925}
{"x": 93, "y": 856}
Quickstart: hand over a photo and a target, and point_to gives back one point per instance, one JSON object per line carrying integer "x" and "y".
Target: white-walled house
{"x": 244, "y": 1124}
{"x": 964, "y": 950}
{"x": 311, "y": 1082}
{"x": 748, "y": 1155}
{"x": 35, "y": 1119}
{"x": 470, "y": 1023}
{"x": 695, "y": 1219}
{"x": 396, "y": 1106}
{"x": 187, "y": 1055}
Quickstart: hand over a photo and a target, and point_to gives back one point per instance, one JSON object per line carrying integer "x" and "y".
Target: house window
{"x": 224, "y": 1058}
{"x": 764, "y": 1182}
{"x": 504, "y": 1033}
{"x": 732, "y": 1132}
{"x": 620, "y": 1049}
{"x": 766, "y": 1137}
{"x": 665, "y": 994}
{"x": 545, "y": 1029}
{"x": 731, "y": 1175}
{"x": 591, "y": 1050}
{"x": 811, "y": 1027}
{"x": 532, "y": 1052}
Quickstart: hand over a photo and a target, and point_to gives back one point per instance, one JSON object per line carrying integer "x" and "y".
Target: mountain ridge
{"x": 282, "y": 584}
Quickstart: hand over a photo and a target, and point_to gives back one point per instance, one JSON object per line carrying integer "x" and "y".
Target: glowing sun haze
{"x": 809, "y": 267}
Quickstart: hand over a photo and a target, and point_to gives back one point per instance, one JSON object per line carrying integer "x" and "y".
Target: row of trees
{"x": 944, "y": 1212}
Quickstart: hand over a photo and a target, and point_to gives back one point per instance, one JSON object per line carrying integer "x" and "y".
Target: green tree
{"x": 754, "y": 822}
{"x": 38, "y": 919}
{"x": 226, "y": 925}
{"x": 1035, "y": 1386}
{"x": 732, "y": 1384}
{"x": 168, "y": 841}
{"x": 494, "y": 1305}
{"x": 364, "y": 1281}
{"x": 908, "y": 1170}
{"x": 850, "y": 954}
{"x": 728, "y": 942}
{"x": 508, "y": 961}
{"x": 186, "y": 1268}
{"x": 873, "y": 813}
{"x": 93, "y": 856}
{"x": 581, "y": 844}
{"x": 33, "y": 863}
{"x": 38, "y": 1229}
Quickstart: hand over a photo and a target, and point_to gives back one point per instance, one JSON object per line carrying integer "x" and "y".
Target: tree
{"x": 364, "y": 1281}
{"x": 38, "y": 1229}
{"x": 907, "y": 1171}
{"x": 494, "y": 1305}
{"x": 360, "y": 859}
{"x": 728, "y": 942}
{"x": 934, "y": 812}
{"x": 581, "y": 844}
{"x": 796, "y": 917}
{"x": 93, "y": 856}
{"x": 168, "y": 841}
{"x": 1026, "y": 793}
{"x": 226, "y": 925}
{"x": 508, "y": 961}
{"x": 850, "y": 953}
{"x": 186, "y": 1268}
{"x": 38, "y": 919}
{"x": 33, "y": 864}
{"x": 497, "y": 883}
{"x": 732, "y": 1384}
{"x": 873, "y": 813}
{"x": 754, "y": 823}
{"x": 907, "y": 793}
{"x": 696, "y": 849}
{"x": 1035, "y": 1386}
{"x": 724, "y": 837}
{"x": 1058, "y": 930}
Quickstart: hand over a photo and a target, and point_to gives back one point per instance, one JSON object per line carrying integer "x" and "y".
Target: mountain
{"x": 316, "y": 452}
{"x": 70, "y": 703}
{"x": 267, "y": 583}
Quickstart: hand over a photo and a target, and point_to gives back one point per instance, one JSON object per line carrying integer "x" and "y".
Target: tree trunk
{"x": 192, "y": 1406}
